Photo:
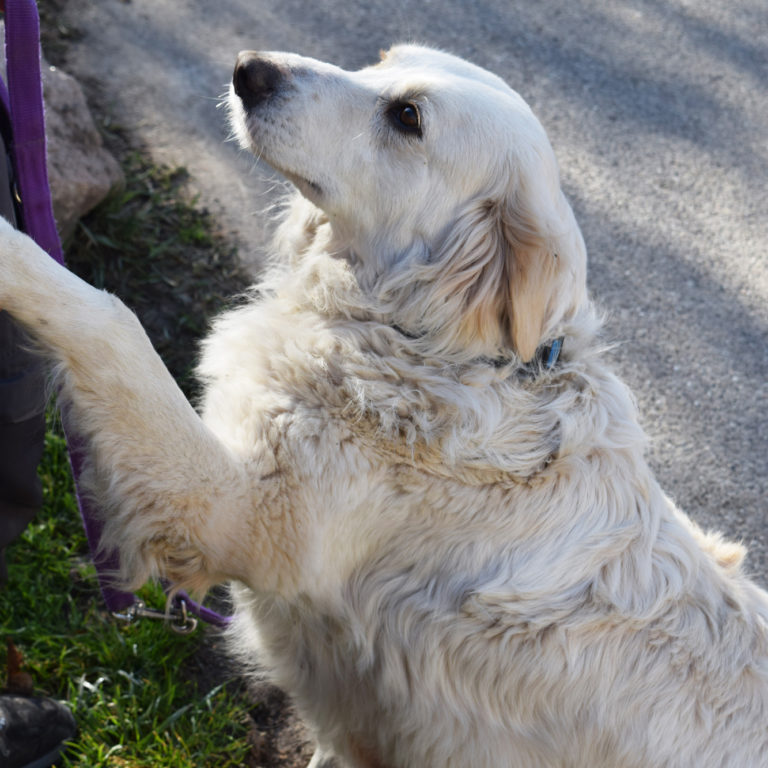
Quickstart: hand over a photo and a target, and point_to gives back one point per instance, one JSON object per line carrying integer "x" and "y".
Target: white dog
{"x": 445, "y": 541}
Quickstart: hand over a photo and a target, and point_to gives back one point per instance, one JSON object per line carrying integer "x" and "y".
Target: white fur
{"x": 446, "y": 559}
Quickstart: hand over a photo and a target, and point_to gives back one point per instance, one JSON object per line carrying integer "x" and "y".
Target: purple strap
{"x": 106, "y": 563}
{"x": 23, "y": 101}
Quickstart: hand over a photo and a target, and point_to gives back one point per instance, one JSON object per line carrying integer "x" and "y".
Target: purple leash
{"x": 23, "y": 102}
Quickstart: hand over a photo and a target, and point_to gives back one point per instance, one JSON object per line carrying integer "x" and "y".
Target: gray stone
{"x": 81, "y": 172}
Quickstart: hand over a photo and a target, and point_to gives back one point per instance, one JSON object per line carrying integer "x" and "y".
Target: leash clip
{"x": 176, "y": 616}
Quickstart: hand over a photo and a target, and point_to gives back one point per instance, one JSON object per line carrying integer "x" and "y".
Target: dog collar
{"x": 546, "y": 356}
{"x": 545, "y": 359}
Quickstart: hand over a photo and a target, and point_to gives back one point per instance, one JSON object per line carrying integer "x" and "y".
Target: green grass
{"x": 130, "y": 687}
{"x": 141, "y": 695}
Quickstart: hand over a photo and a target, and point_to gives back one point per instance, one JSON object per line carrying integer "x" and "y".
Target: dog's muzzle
{"x": 255, "y": 79}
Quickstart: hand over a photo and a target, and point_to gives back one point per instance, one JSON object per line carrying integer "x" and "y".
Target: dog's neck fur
{"x": 323, "y": 279}
{"x": 393, "y": 289}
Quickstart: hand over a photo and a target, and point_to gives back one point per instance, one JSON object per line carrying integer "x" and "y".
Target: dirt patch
{"x": 276, "y": 736}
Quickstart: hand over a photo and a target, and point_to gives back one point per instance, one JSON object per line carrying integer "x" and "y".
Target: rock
{"x": 81, "y": 172}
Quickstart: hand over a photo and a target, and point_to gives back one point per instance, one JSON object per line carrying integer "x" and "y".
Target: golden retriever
{"x": 444, "y": 539}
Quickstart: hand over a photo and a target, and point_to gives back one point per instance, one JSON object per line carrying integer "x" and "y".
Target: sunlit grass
{"x": 134, "y": 698}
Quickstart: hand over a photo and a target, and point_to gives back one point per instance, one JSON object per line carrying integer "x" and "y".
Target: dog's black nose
{"x": 255, "y": 79}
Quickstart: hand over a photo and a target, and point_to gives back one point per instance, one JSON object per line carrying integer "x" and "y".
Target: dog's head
{"x": 438, "y": 177}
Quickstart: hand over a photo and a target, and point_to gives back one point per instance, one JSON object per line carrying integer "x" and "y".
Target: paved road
{"x": 658, "y": 111}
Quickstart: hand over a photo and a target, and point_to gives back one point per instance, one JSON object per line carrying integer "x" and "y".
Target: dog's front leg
{"x": 177, "y": 502}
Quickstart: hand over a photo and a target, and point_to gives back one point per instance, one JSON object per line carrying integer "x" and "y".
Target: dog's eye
{"x": 409, "y": 116}
{"x": 405, "y": 117}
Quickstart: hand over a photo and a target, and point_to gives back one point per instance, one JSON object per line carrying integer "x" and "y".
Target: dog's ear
{"x": 508, "y": 270}
{"x": 530, "y": 285}
{"x": 500, "y": 275}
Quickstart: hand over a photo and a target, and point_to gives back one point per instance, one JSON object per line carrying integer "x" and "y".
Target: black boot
{"x": 32, "y": 731}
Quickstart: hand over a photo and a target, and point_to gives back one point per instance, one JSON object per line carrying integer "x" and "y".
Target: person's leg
{"x": 32, "y": 729}
{"x": 22, "y": 397}
{"x": 22, "y": 433}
